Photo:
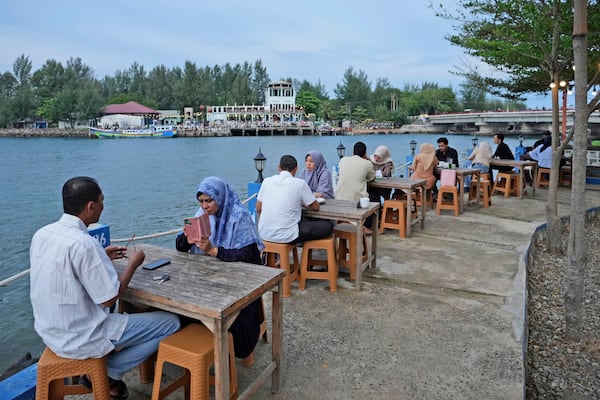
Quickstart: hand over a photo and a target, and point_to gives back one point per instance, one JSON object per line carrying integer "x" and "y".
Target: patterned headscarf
{"x": 233, "y": 225}
{"x": 319, "y": 179}
{"x": 382, "y": 151}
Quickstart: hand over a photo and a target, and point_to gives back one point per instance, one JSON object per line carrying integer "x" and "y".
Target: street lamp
{"x": 259, "y": 163}
{"x": 474, "y": 140}
{"x": 341, "y": 150}
{"x": 413, "y": 146}
{"x": 520, "y": 140}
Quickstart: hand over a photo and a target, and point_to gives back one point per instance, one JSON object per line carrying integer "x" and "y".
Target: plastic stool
{"x": 346, "y": 247}
{"x": 485, "y": 192}
{"x": 394, "y": 216}
{"x": 273, "y": 249}
{"x": 448, "y": 204}
{"x": 428, "y": 198}
{"x": 507, "y": 183}
{"x": 53, "y": 369}
{"x": 564, "y": 176}
{"x": 543, "y": 177}
{"x": 306, "y": 272}
{"x": 192, "y": 348}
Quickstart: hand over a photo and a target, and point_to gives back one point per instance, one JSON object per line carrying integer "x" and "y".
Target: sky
{"x": 316, "y": 40}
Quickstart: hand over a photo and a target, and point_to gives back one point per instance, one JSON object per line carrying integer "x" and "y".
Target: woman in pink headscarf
{"x": 424, "y": 163}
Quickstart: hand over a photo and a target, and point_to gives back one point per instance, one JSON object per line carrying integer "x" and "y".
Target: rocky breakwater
{"x": 43, "y": 133}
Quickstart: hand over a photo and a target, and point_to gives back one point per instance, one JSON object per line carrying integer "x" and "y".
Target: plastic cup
{"x": 364, "y": 202}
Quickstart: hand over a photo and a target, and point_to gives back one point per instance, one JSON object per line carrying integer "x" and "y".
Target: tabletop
{"x": 200, "y": 284}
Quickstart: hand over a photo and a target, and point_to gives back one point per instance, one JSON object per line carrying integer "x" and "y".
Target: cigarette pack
{"x": 196, "y": 228}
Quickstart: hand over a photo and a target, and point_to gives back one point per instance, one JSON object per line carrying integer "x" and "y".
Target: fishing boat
{"x": 155, "y": 131}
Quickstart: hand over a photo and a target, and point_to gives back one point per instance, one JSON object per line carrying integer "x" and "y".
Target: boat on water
{"x": 155, "y": 131}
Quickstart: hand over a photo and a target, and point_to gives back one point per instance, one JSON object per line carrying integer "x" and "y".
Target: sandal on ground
{"x": 118, "y": 389}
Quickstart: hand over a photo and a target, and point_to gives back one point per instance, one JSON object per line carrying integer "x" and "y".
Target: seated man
{"x": 502, "y": 152}
{"x": 280, "y": 201}
{"x": 443, "y": 153}
{"x": 74, "y": 284}
{"x": 542, "y": 153}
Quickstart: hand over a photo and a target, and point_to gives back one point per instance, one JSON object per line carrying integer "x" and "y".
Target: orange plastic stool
{"x": 192, "y": 348}
{"x": 393, "y": 216}
{"x": 543, "y": 177}
{"x": 485, "y": 191}
{"x": 306, "y": 271}
{"x": 448, "y": 204}
{"x": 507, "y": 183}
{"x": 273, "y": 249}
{"x": 346, "y": 247}
{"x": 53, "y": 369}
{"x": 428, "y": 198}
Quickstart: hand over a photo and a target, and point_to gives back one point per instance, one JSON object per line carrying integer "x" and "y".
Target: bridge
{"x": 487, "y": 123}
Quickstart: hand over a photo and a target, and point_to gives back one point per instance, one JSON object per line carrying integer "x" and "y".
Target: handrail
{"x": 135, "y": 238}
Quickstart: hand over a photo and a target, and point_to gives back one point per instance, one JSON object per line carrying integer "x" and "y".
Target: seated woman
{"x": 481, "y": 156}
{"x": 382, "y": 161}
{"x": 424, "y": 164}
{"x": 233, "y": 238}
{"x": 317, "y": 175}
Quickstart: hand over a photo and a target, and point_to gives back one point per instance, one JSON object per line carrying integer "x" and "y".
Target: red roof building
{"x": 131, "y": 108}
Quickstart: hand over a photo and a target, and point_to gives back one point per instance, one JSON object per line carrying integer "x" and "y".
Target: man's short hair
{"x": 288, "y": 163}
{"x": 500, "y": 136}
{"x": 443, "y": 140}
{"x": 360, "y": 149}
{"x": 77, "y": 192}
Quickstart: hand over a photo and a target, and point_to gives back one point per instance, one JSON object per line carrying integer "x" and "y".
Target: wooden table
{"x": 408, "y": 186}
{"x": 521, "y": 164}
{"x": 212, "y": 291}
{"x": 346, "y": 210}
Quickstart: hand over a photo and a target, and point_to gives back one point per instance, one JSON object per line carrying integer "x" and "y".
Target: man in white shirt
{"x": 355, "y": 172}
{"x": 74, "y": 284}
{"x": 280, "y": 201}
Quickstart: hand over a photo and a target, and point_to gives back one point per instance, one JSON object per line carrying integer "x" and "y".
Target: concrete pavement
{"x": 441, "y": 317}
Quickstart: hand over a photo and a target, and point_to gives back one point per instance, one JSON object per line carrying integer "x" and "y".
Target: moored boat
{"x": 155, "y": 131}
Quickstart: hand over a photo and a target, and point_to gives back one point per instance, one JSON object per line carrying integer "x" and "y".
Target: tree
{"x": 529, "y": 45}
{"x": 23, "y": 99}
{"x": 355, "y": 89}
{"x": 577, "y": 250}
{"x": 309, "y": 101}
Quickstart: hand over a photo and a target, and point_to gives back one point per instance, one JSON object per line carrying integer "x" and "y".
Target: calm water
{"x": 149, "y": 186}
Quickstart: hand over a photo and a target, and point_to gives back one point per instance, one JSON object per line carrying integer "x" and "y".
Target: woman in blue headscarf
{"x": 233, "y": 238}
{"x": 317, "y": 175}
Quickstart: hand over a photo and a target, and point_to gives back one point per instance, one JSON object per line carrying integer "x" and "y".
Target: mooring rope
{"x": 127, "y": 240}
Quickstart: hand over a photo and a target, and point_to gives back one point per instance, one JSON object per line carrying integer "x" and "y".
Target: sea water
{"x": 149, "y": 186}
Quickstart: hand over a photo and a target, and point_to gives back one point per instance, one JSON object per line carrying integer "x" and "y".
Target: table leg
{"x": 358, "y": 252}
{"x": 461, "y": 194}
{"x": 423, "y": 205}
{"x": 221, "y": 345}
{"x": 276, "y": 318}
{"x": 521, "y": 181}
{"x": 373, "y": 264}
{"x": 477, "y": 176}
{"x": 534, "y": 174}
{"x": 409, "y": 210}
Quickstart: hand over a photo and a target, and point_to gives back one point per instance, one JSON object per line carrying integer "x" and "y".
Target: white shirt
{"x": 282, "y": 197}
{"x": 71, "y": 276}
{"x": 544, "y": 158}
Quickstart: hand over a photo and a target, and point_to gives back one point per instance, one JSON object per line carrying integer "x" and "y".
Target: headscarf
{"x": 384, "y": 152}
{"x": 427, "y": 155}
{"x": 319, "y": 179}
{"x": 485, "y": 150}
{"x": 233, "y": 226}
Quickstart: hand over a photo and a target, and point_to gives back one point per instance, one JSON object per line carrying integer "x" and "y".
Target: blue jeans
{"x": 142, "y": 335}
{"x": 484, "y": 170}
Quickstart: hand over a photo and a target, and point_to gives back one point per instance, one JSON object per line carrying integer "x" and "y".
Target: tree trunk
{"x": 553, "y": 222}
{"x": 577, "y": 263}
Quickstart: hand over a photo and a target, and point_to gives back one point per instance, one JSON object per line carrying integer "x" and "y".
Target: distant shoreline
{"x": 84, "y": 133}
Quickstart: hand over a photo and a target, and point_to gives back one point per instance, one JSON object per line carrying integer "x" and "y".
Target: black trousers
{"x": 313, "y": 229}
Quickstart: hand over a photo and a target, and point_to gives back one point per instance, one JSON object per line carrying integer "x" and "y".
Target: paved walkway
{"x": 440, "y": 318}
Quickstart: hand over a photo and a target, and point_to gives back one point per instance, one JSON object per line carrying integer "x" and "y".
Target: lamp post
{"x": 341, "y": 150}
{"x": 413, "y": 146}
{"x": 474, "y": 140}
{"x": 520, "y": 137}
{"x": 259, "y": 163}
